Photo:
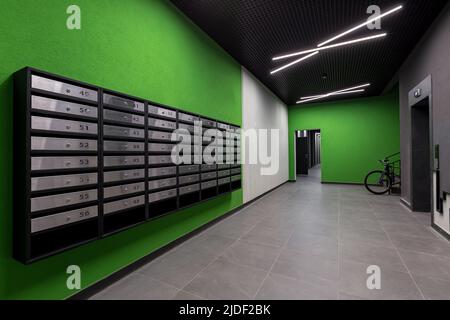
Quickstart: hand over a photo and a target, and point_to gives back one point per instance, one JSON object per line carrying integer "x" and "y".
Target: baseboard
{"x": 406, "y": 203}
{"x": 343, "y": 183}
{"x": 440, "y": 231}
{"x": 116, "y": 276}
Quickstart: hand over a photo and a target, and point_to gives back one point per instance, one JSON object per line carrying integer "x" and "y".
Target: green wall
{"x": 355, "y": 134}
{"x": 144, "y": 48}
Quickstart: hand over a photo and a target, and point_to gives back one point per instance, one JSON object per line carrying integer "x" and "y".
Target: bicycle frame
{"x": 389, "y": 170}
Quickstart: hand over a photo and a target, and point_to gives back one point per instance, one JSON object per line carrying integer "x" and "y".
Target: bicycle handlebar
{"x": 386, "y": 160}
{"x": 393, "y": 155}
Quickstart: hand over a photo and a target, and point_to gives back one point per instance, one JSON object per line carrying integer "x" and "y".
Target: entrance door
{"x": 421, "y": 157}
{"x": 302, "y": 155}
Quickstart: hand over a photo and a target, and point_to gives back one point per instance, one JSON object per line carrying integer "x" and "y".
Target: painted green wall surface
{"x": 145, "y": 48}
{"x": 355, "y": 135}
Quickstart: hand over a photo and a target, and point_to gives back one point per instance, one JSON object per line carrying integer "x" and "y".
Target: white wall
{"x": 261, "y": 109}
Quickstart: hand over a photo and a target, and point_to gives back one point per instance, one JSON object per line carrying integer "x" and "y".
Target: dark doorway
{"x": 302, "y": 155}
{"x": 308, "y": 148}
{"x": 421, "y": 156}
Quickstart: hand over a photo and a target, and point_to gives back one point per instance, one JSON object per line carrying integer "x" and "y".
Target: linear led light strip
{"x": 320, "y": 46}
{"x": 294, "y": 62}
{"x": 340, "y": 44}
{"x": 362, "y": 25}
{"x": 334, "y": 94}
{"x": 351, "y": 90}
{"x": 316, "y": 51}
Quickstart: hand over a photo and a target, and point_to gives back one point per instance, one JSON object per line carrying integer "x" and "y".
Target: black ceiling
{"x": 254, "y": 31}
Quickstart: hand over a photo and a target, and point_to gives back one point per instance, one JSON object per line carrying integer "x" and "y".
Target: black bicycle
{"x": 380, "y": 182}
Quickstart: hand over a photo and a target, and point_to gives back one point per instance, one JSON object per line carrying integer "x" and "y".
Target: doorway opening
{"x": 308, "y": 150}
{"x": 421, "y": 176}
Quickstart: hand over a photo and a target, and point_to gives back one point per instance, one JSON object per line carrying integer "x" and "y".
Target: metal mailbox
{"x": 117, "y": 161}
{"x": 63, "y": 107}
{"x": 66, "y": 181}
{"x": 63, "y": 163}
{"x": 123, "y": 103}
{"x": 61, "y": 219}
{"x": 123, "y": 117}
{"x": 123, "y": 146}
{"x": 161, "y": 172}
{"x": 62, "y": 144}
{"x": 125, "y": 189}
{"x": 63, "y": 126}
{"x": 115, "y": 206}
{"x": 162, "y": 112}
{"x": 124, "y": 175}
{"x": 62, "y": 200}
{"x": 63, "y": 88}
{"x": 163, "y": 195}
{"x": 163, "y": 183}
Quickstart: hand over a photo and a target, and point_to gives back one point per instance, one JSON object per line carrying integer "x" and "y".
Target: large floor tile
{"x": 321, "y": 207}
{"x": 394, "y": 285}
{"x": 384, "y": 200}
{"x": 250, "y": 216}
{"x": 319, "y": 228}
{"x": 230, "y": 229}
{"x": 270, "y": 236}
{"x": 281, "y": 207}
{"x": 178, "y": 267}
{"x": 378, "y": 238}
{"x": 408, "y": 229}
{"x": 286, "y": 221}
{"x": 384, "y": 215}
{"x": 251, "y": 254}
{"x": 137, "y": 287}
{"x": 351, "y": 223}
{"x": 419, "y": 244}
{"x": 304, "y": 266}
{"x": 277, "y": 287}
{"x": 332, "y": 220}
{"x": 208, "y": 244}
{"x": 434, "y": 289}
{"x": 354, "y": 204}
{"x": 183, "y": 295}
{"x": 422, "y": 218}
{"x": 426, "y": 265}
{"x": 228, "y": 281}
{"x": 384, "y": 257}
{"x": 353, "y": 214}
{"x": 349, "y": 297}
{"x": 323, "y": 246}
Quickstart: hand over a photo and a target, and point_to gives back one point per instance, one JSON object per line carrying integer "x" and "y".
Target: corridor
{"x": 303, "y": 241}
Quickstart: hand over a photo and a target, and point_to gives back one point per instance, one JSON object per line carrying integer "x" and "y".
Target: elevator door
{"x": 421, "y": 157}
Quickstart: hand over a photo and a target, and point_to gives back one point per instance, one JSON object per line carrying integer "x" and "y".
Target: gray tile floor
{"x": 303, "y": 241}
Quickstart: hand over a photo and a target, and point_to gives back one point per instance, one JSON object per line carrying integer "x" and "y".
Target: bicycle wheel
{"x": 377, "y": 182}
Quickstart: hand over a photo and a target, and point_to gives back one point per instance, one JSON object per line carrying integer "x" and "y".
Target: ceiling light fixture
{"x": 346, "y": 92}
{"x": 362, "y": 25}
{"x": 341, "y": 44}
{"x": 294, "y": 62}
{"x": 356, "y": 89}
{"x": 334, "y": 94}
{"x": 330, "y": 95}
